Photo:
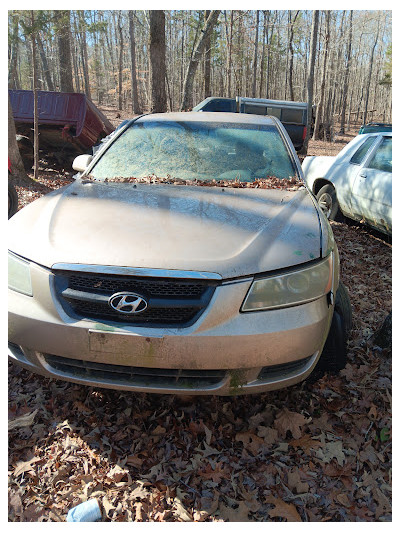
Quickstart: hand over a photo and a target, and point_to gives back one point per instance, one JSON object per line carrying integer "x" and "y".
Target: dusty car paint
{"x": 234, "y": 232}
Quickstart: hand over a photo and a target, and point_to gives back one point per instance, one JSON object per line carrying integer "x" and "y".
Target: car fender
{"x": 317, "y": 167}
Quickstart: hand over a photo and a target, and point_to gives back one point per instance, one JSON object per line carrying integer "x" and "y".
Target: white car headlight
{"x": 291, "y": 288}
{"x": 19, "y": 275}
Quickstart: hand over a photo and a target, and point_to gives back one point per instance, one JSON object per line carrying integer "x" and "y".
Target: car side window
{"x": 382, "y": 159}
{"x": 362, "y": 151}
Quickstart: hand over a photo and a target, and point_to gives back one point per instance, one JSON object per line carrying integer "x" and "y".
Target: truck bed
{"x": 66, "y": 120}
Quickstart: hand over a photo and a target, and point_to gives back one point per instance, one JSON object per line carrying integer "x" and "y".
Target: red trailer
{"x": 67, "y": 121}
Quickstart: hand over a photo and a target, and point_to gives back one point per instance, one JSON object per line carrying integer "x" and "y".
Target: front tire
{"x": 334, "y": 354}
{"x": 12, "y": 200}
{"x": 327, "y": 201}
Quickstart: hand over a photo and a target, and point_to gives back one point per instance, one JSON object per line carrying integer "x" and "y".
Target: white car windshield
{"x": 196, "y": 151}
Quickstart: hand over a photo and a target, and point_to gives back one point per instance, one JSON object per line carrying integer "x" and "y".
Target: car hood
{"x": 229, "y": 231}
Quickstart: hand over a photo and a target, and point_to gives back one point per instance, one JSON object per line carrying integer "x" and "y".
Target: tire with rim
{"x": 12, "y": 200}
{"x": 327, "y": 201}
{"x": 334, "y": 354}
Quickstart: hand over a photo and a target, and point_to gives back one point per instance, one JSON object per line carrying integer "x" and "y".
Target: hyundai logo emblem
{"x": 128, "y": 303}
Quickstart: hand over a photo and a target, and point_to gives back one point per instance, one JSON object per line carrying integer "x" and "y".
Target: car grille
{"x": 170, "y": 302}
{"x": 136, "y": 376}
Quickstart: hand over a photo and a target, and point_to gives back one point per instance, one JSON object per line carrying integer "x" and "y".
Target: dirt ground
{"x": 314, "y": 452}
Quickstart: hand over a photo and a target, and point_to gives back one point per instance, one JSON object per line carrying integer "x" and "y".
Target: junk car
{"x": 188, "y": 257}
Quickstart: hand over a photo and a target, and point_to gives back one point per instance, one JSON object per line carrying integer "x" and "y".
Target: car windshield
{"x": 196, "y": 151}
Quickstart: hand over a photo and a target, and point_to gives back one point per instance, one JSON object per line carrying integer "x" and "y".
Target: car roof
{"x": 210, "y": 116}
{"x": 376, "y": 134}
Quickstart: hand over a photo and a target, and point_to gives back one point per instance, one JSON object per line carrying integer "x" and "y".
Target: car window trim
{"x": 362, "y": 162}
{"x": 372, "y": 154}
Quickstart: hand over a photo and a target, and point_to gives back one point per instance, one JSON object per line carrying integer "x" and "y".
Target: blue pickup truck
{"x": 293, "y": 115}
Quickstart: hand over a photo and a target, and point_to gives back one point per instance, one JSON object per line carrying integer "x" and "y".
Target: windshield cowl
{"x": 271, "y": 182}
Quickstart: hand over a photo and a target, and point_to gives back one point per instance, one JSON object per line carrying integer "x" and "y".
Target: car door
{"x": 344, "y": 173}
{"x": 372, "y": 189}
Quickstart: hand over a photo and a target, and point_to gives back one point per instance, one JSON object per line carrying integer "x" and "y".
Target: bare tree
{"x": 262, "y": 63}
{"x": 310, "y": 74}
{"x": 371, "y": 64}
{"x": 17, "y": 166}
{"x": 157, "y": 61}
{"x": 229, "y": 63}
{"x": 207, "y": 61}
{"x": 14, "y": 39}
{"x": 84, "y": 52}
{"x": 320, "y": 105}
{"x": 134, "y": 87}
{"x": 291, "y": 54}
{"x": 229, "y": 52}
{"x": 62, "y": 18}
{"x": 253, "y": 92}
{"x": 45, "y": 64}
{"x": 197, "y": 53}
{"x": 346, "y": 75}
{"x": 35, "y": 101}
{"x": 120, "y": 59}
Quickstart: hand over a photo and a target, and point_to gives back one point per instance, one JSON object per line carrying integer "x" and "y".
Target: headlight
{"x": 19, "y": 275}
{"x": 292, "y": 288}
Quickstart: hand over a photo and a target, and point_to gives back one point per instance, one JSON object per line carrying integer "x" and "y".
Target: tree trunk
{"x": 75, "y": 56}
{"x": 120, "y": 60}
{"x": 269, "y": 42}
{"x": 85, "y": 60}
{"x": 197, "y": 53}
{"x": 262, "y": 64}
{"x": 371, "y": 64}
{"x": 207, "y": 61}
{"x": 323, "y": 80}
{"x": 17, "y": 166}
{"x": 35, "y": 102}
{"x": 229, "y": 53}
{"x": 64, "y": 50}
{"x": 346, "y": 76}
{"x": 135, "y": 98}
{"x": 45, "y": 65}
{"x": 13, "y": 71}
{"x": 157, "y": 61}
{"x": 291, "y": 54}
{"x": 253, "y": 92}
{"x": 310, "y": 74}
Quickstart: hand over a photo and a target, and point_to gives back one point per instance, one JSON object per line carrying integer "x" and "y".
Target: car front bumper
{"x": 224, "y": 352}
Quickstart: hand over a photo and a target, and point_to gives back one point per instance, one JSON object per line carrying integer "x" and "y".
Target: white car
{"x": 357, "y": 182}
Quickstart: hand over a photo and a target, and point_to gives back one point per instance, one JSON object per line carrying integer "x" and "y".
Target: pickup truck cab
{"x": 293, "y": 115}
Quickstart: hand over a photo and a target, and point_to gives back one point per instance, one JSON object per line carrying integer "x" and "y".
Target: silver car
{"x": 187, "y": 257}
{"x": 357, "y": 182}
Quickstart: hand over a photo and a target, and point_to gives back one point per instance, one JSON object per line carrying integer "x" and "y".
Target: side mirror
{"x": 81, "y": 162}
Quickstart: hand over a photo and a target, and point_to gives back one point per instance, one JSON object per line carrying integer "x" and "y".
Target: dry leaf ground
{"x": 314, "y": 452}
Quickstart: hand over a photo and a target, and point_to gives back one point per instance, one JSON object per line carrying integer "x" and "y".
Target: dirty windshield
{"x": 193, "y": 151}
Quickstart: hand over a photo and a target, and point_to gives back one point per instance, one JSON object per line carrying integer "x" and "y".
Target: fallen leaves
{"x": 290, "y": 421}
{"x": 331, "y": 450}
{"x": 22, "y": 421}
{"x": 282, "y": 509}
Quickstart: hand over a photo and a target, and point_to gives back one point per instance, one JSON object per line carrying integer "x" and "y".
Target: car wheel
{"x": 334, "y": 354}
{"x": 12, "y": 200}
{"x": 327, "y": 201}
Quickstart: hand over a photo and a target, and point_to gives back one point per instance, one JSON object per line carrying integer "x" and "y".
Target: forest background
{"x": 170, "y": 60}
